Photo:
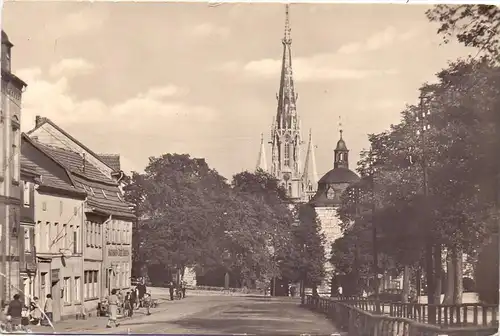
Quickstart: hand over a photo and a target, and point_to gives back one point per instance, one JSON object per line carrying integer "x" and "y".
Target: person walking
{"x": 113, "y": 309}
{"x": 127, "y": 306}
{"x": 147, "y": 302}
{"x": 171, "y": 291}
{"x": 48, "y": 309}
{"x": 141, "y": 291}
{"x": 183, "y": 288}
{"x": 15, "y": 311}
{"x": 35, "y": 313}
{"x": 133, "y": 298}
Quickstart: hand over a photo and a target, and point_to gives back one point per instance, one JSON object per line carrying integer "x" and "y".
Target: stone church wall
{"x": 331, "y": 229}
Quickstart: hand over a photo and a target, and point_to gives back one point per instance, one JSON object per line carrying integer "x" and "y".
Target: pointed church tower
{"x": 262, "y": 160}
{"x": 310, "y": 175}
{"x": 285, "y": 134}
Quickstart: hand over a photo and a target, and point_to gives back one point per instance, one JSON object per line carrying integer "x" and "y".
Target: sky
{"x": 144, "y": 79}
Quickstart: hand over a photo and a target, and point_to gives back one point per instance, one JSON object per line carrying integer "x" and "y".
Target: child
{"x": 147, "y": 302}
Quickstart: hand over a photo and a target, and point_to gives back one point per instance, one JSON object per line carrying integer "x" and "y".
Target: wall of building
{"x": 58, "y": 238}
{"x": 331, "y": 228}
{"x": 118, "y": 254}
{"x": 10, "y": 138}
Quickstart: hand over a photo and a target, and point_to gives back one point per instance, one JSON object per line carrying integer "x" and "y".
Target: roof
{"x": 5, "y": 39}
{"x": 103, "y": 193}
{"x": 341, "y": 145}
{"x": 111, "y": 160}
{"x": 44, "y": 120}
{"x": 339, "y": 175}
{"x": 48, "y": 179}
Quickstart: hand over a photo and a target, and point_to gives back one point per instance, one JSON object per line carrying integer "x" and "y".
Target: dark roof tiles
{"x": 112, "y": 160}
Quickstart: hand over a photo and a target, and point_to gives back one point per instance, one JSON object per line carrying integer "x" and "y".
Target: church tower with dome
{"x": 327, "y": 200}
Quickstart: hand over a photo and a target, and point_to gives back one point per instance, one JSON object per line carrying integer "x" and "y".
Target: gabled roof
{"x": 103, "y": 193}
{"x": 45, "y": 120}
{"x": 48, "y": 178}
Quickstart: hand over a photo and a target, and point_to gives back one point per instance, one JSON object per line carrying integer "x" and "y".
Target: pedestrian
{"x": 35, "y": 313}
{"x": 147, "y": 302}
{"x": 141, "y": 291}
{"x": 133, "y": 299}
{"x": 126, "y": 305}
{"x": 113, "y": 309}
{"x": 183, "y": 290}
{"x": 48, "y": 309}
{"x": 171, "y": 291}
{"x": 15, "y": 311}
{"x": 340, "y": 290}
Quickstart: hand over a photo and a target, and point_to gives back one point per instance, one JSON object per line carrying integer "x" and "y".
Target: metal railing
{"x": 360, "y": 317}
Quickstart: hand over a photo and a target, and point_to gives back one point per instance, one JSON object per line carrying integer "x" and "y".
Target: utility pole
{"x": 374, "y": 232}
{"x": 432, "y": 250}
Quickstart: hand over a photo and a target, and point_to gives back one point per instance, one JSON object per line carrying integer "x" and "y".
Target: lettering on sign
{"x": 118, "y": 253}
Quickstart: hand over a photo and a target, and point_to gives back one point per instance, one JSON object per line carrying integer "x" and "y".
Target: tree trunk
{"x": 438, "y": 269}
{"x": 406, "y": 284}
{"x": 457, "y": 260}
{"x": 450, "y": 278}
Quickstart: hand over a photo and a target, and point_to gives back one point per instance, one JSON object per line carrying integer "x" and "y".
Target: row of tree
{"x": 430, "y": 184}
{"x": 190, "y": 216}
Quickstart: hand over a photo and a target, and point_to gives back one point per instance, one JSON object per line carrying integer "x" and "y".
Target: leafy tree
{"x": 473, "y": 25}
{"x": 487, "y": 271}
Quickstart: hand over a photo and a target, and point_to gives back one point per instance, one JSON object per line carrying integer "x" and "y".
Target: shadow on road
{"x": 251, "y": 317}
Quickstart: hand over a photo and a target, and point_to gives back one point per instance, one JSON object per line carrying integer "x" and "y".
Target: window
{"x": 26, "y": 194}
{"x": 86, "y": 286}
{"x": 67, "y": 290}
{"x": 47, "y": 236}
{"x": 96, "y": 283}
{"x": 286, "y": 155}
{"x": 75, "y": 211}
{"x": 64, "y": 238}
{"x": 87, "y": 233}
{"x": 92, "y": 234}
{"x": 14, "y": 155}
{"x": 27, "y": 239}
{"x": 78, "y": 295}
{"x": 99, "y": 237}
{"x": 44, "y": 206}
{"x": 75, "y": 241}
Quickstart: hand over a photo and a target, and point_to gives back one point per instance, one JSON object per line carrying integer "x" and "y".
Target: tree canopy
{"x": 189, "y": 216}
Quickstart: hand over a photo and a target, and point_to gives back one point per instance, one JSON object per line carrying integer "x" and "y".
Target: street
{"x": 214, "y": 315}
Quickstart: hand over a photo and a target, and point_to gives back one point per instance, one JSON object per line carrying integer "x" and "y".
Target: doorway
{"x": 56, "y": 300}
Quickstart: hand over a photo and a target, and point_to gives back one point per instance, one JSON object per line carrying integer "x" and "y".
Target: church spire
{"x": 286, "y": 137}
{"x": 310, "y": 175}
{"x": 287, "y": 114}
{"x": 262, "y": 160}
{"x": 341, "y": 153}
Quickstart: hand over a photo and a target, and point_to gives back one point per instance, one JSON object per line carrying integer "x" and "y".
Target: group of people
{"x": 17, "y": 315}
{"x": 139, "y": 297}
{"x": 179, "y": 290}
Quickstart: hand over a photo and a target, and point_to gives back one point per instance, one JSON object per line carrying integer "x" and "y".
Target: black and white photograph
{"x": 239, "y": 168}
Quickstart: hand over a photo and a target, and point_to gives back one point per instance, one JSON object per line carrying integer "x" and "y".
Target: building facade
{"x": 58, "y": 228}
{"x": 28, "y": 268}
{"x": 11, "y": 241}
{"x": 108, "y": 218}
{"x": 299, "y": 180}
{"x": 327, "y": 200}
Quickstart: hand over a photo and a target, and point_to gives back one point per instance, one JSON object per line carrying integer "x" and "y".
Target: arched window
{"x": 286, "y": 155}
{"x": 290, "y": 190}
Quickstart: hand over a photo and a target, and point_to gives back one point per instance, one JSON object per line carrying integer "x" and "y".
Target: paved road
{"x": 217, "y": 315}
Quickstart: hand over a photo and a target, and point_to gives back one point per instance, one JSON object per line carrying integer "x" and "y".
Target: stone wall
{"x": 331, "y": 229}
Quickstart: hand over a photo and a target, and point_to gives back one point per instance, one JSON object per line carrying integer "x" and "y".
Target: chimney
{"x": 38, "y": 120}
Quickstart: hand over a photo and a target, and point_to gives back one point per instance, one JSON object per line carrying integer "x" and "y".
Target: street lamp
{"x": 372, "y": 171}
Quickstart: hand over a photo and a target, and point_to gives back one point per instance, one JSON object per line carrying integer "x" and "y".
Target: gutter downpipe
{"x": 104, "y": 268}
{"x": 83, "y": 246}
